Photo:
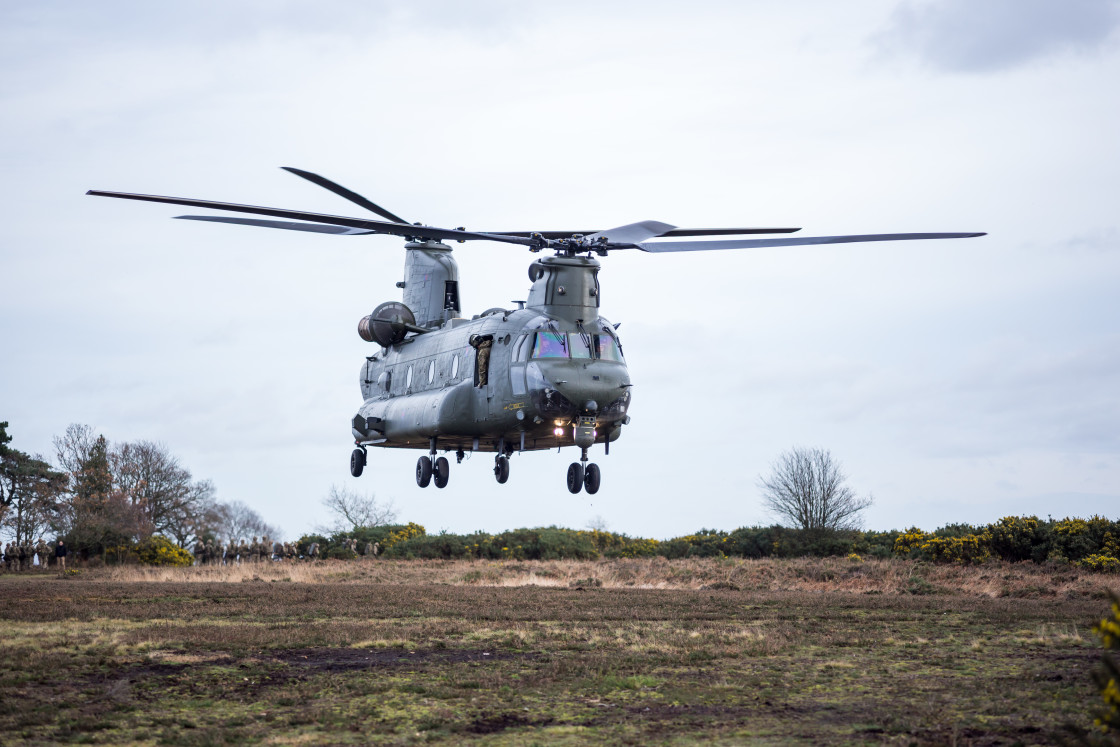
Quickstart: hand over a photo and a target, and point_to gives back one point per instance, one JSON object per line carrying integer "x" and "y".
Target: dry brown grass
{"x": 804, "y": 652}
{"x": 893, "y": 576}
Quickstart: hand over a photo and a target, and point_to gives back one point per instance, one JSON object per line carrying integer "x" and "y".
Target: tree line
{"x": 106, "y": 499}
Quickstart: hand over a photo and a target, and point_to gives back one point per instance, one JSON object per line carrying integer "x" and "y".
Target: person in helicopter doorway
{"x": 482, "y": 343}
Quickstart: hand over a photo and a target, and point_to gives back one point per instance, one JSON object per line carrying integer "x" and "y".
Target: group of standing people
{"x": 258, "y": 551}
{"x": 235, "y": 553}
{"x": 22, "y": 557}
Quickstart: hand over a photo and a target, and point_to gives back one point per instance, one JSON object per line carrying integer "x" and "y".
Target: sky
{"x": 956, "y": 381}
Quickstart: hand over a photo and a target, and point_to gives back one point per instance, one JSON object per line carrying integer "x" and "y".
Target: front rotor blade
{"x": 633, "y": 233}
{"x": 699, "y": 246}
{"x": 311, "y": 227}
{"x": 373, "y": 226}
{"x": 342, "y": 191}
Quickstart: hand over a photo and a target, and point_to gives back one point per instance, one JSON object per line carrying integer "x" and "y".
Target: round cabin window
{"x": 408, "y": 378}
{"x": 431, "y": 372}
{"x": 455, "y": 366}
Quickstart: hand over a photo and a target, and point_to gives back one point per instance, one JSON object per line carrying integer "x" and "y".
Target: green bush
{"x": 158, "y": 550}
{"x": 1108, "y": 676}
{"x": 1016, "y": 538}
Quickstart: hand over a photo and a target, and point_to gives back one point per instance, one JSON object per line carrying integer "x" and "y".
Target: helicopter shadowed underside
{"x": 547, "y": 375}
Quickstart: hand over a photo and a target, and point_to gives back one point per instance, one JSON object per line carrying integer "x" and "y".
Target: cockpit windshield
{"x": 550, "y": 345}
{"x": 575, "y": 345}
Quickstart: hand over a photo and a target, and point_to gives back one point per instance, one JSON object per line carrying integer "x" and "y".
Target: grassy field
{"x": 632, "y": 652}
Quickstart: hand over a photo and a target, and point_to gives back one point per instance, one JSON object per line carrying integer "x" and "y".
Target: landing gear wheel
{"x": 442, "y": 471}
{"x": 591, "y": 478}
{"x": 575, "y": 477}
{"x": 501, "y": 469}
{"x": 423, "y": 471}
{"x": 357, "y": 462}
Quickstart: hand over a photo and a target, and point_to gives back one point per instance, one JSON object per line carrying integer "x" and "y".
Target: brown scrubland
{"x": 626, "y": 651}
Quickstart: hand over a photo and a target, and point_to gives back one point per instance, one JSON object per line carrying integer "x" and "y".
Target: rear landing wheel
{"x": 575, "y": 477}
{"x": 357, "y": 462}
{"x": 501, "y": 469}
{"x": 591, "y": 478}
{"x": 423, "y": 471}
{"x": 442, "y": 471}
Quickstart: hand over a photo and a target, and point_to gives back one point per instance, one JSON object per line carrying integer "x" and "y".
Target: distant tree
{"x": 806, "y": 488}
{"x": 161, "y": 489}
{"x": 30, "y": 490}
{"x": 99, "y": 517}
{"x": 597, "y": 524}
{"x": 351, "y": 511}
{"x": 236, "y": 521}
{"x": 121, "y": 493}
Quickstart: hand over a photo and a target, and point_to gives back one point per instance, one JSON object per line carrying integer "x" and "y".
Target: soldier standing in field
{"x": 60, "y": 555}
{"x": 43, "y": 550}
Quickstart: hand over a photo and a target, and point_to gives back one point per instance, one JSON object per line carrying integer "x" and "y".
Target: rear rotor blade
{"x": 674, "y": 232}
{"x": 633, "y": 233}
{"x": 342, "y": 191}
{"x": 699, "y": 246}
{"x": 311, "y": 227}
{"x": 373, "y": 226}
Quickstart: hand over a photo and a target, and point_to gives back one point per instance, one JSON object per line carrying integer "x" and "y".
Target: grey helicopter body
{"x": 548, "y": 374}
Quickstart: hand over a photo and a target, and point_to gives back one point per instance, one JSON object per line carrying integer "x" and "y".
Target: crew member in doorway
{"x": 482, "y": 343}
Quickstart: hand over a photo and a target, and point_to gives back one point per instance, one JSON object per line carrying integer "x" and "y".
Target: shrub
{"x": 1100, "y": 564}
{"x": 966, "y": 549}
{"x": 1108, "y": 676}
{"x": 1017, "y": 538}
{"x": 158, "y": 550}
{"x": 909, "y": 542}
{"x": 1078, "y": 538}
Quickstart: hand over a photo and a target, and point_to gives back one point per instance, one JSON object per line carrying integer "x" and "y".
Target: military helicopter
{"x": 548, "y": 374}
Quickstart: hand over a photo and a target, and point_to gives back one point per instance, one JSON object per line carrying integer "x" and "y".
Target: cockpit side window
{"x": 607, "y": 348}
{"x": 521, "y": 348}
{"x": 550, "y": 345}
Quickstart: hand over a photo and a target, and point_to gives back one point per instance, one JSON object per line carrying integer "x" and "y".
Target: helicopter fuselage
{"x": 541, "y": 376}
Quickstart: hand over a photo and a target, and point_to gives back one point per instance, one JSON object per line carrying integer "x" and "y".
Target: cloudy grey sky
{"x": 957, "y": 381}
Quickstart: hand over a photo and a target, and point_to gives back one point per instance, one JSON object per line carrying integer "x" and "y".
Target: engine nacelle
{"x": 387, "y": 325}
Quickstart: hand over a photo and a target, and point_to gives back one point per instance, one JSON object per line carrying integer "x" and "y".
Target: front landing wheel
{"x": 357, "y": 462}
{"x": 575, "y": 477}
{"x": 442, "y": 472}
{"x": 423, "y": 471}
{"x": 591, "y": 478}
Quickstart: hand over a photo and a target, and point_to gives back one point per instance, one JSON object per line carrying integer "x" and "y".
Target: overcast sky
{"x": 957, "y": 381}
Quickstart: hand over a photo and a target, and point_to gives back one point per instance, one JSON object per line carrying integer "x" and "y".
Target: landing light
{"x": 558, "y": 431}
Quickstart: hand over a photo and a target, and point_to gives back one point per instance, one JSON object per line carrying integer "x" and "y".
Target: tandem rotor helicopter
{"x": 548, "y": 374}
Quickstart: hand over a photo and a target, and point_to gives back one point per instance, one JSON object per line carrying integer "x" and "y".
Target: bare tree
{"x": 597, "y": 524}
{"x": 155, "y": 482}
{"x": 352, "y": 511}
{"x": 806, "y": 487}
{"x": 139, "y": 485}
{"x": 236, "y": 521}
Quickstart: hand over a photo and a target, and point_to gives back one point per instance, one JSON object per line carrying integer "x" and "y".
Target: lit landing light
{"x": 558, "y": 431}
